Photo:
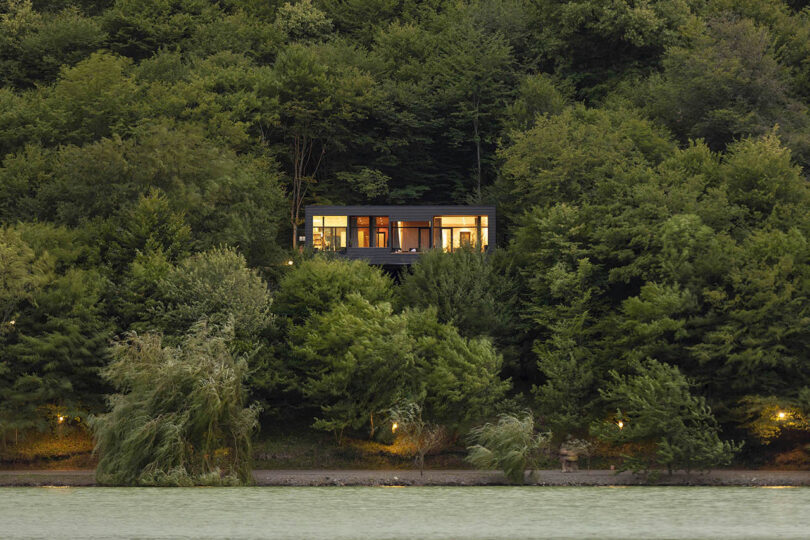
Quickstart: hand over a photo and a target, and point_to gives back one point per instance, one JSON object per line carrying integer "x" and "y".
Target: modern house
{"x": 394, "y": 235}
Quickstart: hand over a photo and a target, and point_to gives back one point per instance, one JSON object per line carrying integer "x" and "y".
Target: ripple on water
{"x": 407, "y": 512}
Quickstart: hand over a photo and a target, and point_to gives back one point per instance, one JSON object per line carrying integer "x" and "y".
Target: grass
{"x": 307, "y": 449}
{"x": 70, "y": 449}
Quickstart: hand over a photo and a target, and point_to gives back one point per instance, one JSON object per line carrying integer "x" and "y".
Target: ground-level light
{"x": 620, "y": 424}
{"x": 781, "y": 415}
{"x": 61, "y": 419}
{"x": 394, "y": 427}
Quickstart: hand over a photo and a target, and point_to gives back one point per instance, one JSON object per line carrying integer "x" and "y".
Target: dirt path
{"x": 446, "y": 478}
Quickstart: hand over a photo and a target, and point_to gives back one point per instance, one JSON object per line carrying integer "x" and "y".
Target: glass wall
{"x": 329, "y": 232}
{"x": 411, "y": 236}
{"x": 361, "y": 231}
{"x": 381, "y": 231}
{"x": 454, "y": 232}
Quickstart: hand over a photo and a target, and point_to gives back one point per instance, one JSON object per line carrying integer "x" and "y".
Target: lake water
{"x": 406, "y": 513}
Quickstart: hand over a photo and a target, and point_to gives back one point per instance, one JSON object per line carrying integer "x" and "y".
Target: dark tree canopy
{"x": 649, "y": 161}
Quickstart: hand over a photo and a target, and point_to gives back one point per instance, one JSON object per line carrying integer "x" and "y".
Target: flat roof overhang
{"x": 398, "y": 213}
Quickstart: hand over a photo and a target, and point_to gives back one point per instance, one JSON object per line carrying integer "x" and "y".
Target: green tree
{"x": 139, "y": 28}
{"x": 355, "y": 361}
{"x": 726, "y": 85}
{"x": 537, "y": 95}
{"x": 358, "y": 359}
{"x": 580, "y": 155}
{"x": 467, "y": 288}
{"x": 475, "y": 77}
{"x": 34, "y": 45}
{"x": 314, "y": 286}
{"x": 149, "y": 226}
{"x": 180, "y": 417}
{"x": 215, "y": 285}
{"x": 317, "y": 105}
{"x": 22, "y": 273}
{"x": 455, "y": 380}
{"x": 655, "y": 405}
{"x": 93, "y": 99}
{"x": 302, "y": 21}
{"x": 595, "y": 43}
{"x": 512, "y": 445}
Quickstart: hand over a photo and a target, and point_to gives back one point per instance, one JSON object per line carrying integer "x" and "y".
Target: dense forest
{"x": 649, "y": 160}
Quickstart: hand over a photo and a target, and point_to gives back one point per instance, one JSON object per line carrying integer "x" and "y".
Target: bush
{"x": 511, "y": 445}
{"x": 467, "y": 290}
{"x": 655, "y": 405}
{"x": 316, "y": 285}
{"x": 357, "y": 360}
{"x": 180, "y": 418}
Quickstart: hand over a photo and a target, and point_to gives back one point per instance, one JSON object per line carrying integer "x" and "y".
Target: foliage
{"x": 456, "y": 379}
{"x": 53, "y": 335}
{"x": 316, "y": 285}
{"x": 355, "y": 360}
{"x": 180, "y": 418}
{"x": 215, "y": 285}
{"x": 766, "y": 417}
{"x": 358, "y": 359}
{"x": 22, "y": 273}
{"x": 649, "y": 161}
{"x": 408, "y": 423}
{"x": 725, "y": 85}
{"x": 511, "y": 445}
{"x": 655, "y": 405}
{"x": 466, "y": 288}
{"x": 302, "y": 21}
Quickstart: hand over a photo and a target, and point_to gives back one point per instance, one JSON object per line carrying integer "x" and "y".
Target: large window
{"x": 381, "y": 231}
{"x": 367, "y": 231}
{"x": 411, "y": 236}
{"x": 361, "y": 231}
{"x": 329, "y": 232}
{"x": 453, "y": 232}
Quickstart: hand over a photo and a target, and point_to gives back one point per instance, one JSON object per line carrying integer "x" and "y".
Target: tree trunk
{"x": 372, "y": 426}
{"x": 302, "y": 149}
{"x": 477, "y": 148}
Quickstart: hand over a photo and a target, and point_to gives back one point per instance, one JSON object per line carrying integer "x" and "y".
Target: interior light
{"x": 620, "y": 424}
{"x": 781, "y": 415}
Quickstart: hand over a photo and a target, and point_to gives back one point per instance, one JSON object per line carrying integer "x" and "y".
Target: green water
{"x": 410, "y": 512}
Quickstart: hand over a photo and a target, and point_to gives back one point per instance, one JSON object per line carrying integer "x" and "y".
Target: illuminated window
{"x": 361, "y": 231}
{"x": 381, "y": 231}
{"x": 411, "y": 236}
{"x": 329, "y": 232}
{"x": 453, "y": 232}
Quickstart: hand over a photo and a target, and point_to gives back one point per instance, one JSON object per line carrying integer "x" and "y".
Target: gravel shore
{"x": 449, "y": 478}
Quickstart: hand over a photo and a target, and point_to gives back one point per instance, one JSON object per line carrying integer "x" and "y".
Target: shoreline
{"x": 323, "y": 477}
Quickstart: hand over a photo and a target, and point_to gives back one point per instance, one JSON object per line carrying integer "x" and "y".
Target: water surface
{"x": 406, "y": 513}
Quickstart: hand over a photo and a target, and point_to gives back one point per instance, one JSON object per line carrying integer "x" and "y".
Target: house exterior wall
{"x": 385, "y": 255}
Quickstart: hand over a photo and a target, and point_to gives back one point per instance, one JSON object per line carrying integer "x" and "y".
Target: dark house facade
{"x": 395, "y": 235}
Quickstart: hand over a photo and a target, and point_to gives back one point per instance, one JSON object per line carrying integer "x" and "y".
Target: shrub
{"x": 655, "y": 405}
{"x": 511, "y": 445}
{"x": 180, "y": 418}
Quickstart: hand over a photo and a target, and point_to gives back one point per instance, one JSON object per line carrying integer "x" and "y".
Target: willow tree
{"x": 512, "y": 444}
{"x": 180, "y": 418}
